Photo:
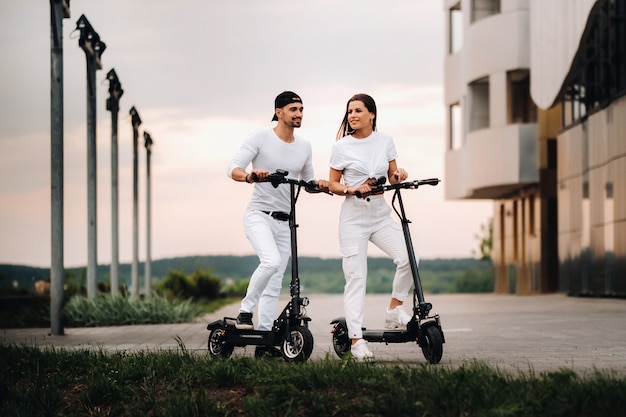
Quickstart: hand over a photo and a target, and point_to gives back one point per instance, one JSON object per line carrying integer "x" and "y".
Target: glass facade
{"x": 592, "y": 160}
{"x": 592, "y": 204}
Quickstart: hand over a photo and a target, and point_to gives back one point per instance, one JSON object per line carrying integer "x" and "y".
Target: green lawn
{"x": 55, "y": 382}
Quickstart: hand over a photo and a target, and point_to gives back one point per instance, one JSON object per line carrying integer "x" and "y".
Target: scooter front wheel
{"x": 432, "y": 344}
{"x": 217, "y": 347}
{"x": 300, "y": 347}
{"x": 341, "y": 341}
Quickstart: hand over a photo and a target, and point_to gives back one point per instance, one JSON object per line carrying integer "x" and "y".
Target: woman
{"x": 361, "y": 155}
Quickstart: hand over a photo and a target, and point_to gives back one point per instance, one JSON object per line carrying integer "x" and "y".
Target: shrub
{"x": 207, "y": 284}
{"x": 237, "y": 288}
{"x": 176, "y": 285}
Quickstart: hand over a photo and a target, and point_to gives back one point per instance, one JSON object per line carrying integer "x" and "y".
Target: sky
{"x": 203, "y": 74}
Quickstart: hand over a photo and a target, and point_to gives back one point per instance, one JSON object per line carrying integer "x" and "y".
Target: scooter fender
{"x": 433, "y": 321}
{"x": 217, "y": 324}
{"x": 339, "y": 320}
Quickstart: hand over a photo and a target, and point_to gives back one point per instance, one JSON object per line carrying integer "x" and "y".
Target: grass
{"x": 57, "y": 382}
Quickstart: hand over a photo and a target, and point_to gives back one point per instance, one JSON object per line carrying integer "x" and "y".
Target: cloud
{"x": 202, "y": 75}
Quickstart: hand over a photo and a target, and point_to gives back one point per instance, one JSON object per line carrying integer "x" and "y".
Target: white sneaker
{"x": 360, "y": 352}
{"x": 396, "y": 318}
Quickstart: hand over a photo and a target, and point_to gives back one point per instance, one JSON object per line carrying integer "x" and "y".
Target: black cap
{"x": 284, "y": 98}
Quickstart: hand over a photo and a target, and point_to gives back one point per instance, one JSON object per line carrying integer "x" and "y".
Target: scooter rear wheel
{"x": 217, "y": 347}
{"x": 300, "y": 347}
{"x": 432, "y": 345}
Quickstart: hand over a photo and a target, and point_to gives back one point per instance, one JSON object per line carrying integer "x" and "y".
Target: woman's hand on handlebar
{"x": 317, "y": 186}
{"x": 369, "y": 187}
{"x": 322, "y": 184}
{"x": 399, "y": 175}
{"x": 361, "y": 189}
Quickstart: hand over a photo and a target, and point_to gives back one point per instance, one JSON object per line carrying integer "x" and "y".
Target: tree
{"x": 485, "y": 240}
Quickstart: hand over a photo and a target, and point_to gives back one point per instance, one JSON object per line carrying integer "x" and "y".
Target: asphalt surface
{"x": 528, "y": 334}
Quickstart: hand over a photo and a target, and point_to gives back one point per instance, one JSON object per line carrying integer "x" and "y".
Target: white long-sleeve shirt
{"x": 266, "y": 151}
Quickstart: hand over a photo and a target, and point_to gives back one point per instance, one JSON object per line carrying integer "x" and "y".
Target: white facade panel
{"x": 514, "y": 5}
{"x": 491, "y": 158}
{"x": 497, "y": 98}
{"x": 457, "y": 184}
{"x": 495, "y": 156}
{"x": 496, "y": 44}
{"x": 556, "y": 30}
{"x": 454, "y": 86}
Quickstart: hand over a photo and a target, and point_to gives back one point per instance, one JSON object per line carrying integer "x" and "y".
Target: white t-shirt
{"x": 360, "y": 159}
{"x": 268, "y": 152}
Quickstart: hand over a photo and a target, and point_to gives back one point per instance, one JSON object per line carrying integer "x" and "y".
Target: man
{"x": 266, "y": 220}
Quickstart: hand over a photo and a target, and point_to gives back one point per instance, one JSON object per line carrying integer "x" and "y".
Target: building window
{"x": 521, "y": 108}
{"x": 479, "y": 104}
{"x": 574, "y": 108}
{"x": 455, "y": 24}
{"x": 484, "y": 8}
{"x": 456, "y": 127}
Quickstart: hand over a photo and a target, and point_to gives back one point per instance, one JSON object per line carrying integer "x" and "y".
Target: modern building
{"x": 536, "y": 108}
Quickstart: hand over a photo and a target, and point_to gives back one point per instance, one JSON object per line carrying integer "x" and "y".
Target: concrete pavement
{"x": 514, "y": 333}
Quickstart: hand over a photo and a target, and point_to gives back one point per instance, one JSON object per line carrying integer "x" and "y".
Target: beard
{"x": 295, "y": 123}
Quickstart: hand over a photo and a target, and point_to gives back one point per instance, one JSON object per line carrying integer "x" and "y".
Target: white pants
{"x": 271, "y": 240}
{"x": 360, "y": 222}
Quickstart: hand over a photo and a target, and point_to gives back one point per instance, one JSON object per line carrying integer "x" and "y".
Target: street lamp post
{"x": 59, "y": 10}
{"x": 93, "y": 47}
{"x": 115, "y": 93}
{"x": 148, "y": 280}
{"x": 136, "y": 121}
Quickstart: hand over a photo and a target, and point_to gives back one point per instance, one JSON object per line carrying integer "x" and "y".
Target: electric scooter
{"x": 423, "y": 328}
{"x": 290, "y": 330}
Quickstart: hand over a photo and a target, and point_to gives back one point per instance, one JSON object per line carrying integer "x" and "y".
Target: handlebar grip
{"x": 430, "y": 181}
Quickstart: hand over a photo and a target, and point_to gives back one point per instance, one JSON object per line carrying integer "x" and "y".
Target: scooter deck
{"x": 389, "y": 336}
{"x": 244, "y": 337}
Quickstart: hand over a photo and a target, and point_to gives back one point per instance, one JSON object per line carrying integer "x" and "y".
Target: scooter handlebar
{"x": 280, "y": 177}
{"x": 380, "y": 188}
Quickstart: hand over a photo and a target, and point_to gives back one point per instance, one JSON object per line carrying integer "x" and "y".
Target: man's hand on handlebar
{"x": 257, "y": 175}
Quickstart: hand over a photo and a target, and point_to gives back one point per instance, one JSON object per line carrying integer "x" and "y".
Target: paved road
{"x": 513, "y": 333}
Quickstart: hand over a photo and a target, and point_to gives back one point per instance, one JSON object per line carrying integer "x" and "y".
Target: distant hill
{"x": 322, "y": 274}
